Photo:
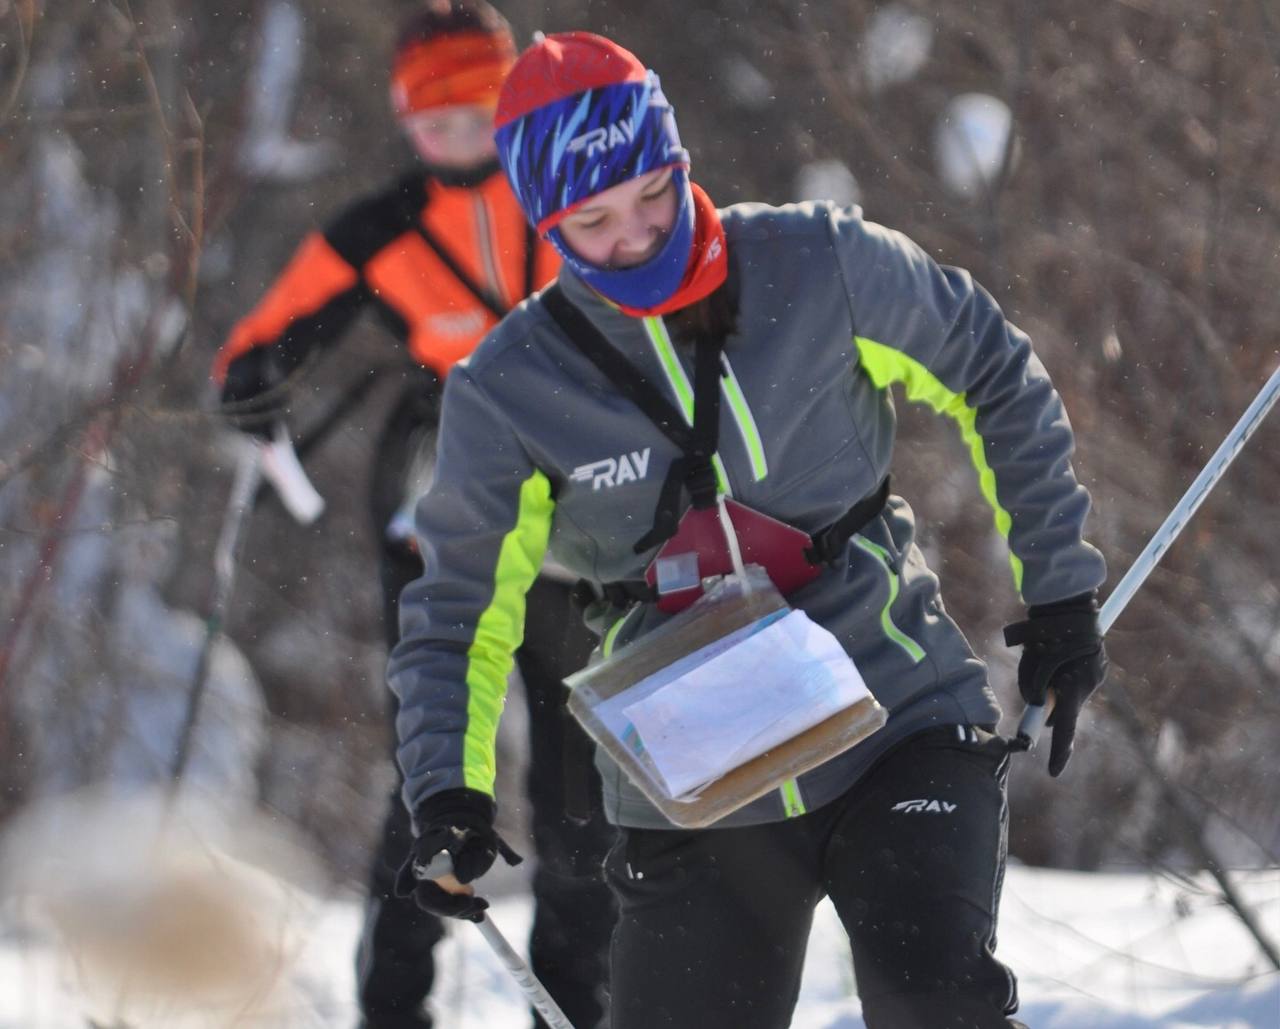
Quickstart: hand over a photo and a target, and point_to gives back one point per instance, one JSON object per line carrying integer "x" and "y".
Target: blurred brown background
{"x": 162, "y": 152}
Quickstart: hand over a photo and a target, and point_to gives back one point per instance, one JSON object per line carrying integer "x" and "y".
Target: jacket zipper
{"x": 492, "y": 275}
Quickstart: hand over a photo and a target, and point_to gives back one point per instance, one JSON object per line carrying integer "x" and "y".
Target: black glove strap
{"x": 456, "y": 817}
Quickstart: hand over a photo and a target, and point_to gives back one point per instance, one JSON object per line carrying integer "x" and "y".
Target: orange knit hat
{"x": 451, "y": 52}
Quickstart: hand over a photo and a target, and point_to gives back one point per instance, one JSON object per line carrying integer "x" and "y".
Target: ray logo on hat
{"x": 578, "y": 115}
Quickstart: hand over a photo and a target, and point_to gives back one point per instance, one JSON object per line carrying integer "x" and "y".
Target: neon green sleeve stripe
{"x": 885, "y": 366}
{"x": 500, "y": 630}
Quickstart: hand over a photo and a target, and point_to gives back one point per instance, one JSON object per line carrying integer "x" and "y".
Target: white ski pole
{"x": 523, "y": 975}
{"x": 1034, "y": 717}
{"x": 281, "y": 467}
{"x": 225, "y": 557}
{"x": 278, "y": 463}
{"x": 441, "y": 865}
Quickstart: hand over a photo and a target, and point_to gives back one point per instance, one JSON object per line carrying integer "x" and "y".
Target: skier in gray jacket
{"x": 813, "y": 314}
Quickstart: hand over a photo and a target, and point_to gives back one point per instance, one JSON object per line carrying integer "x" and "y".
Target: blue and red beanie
{"x": 577, "y": 115}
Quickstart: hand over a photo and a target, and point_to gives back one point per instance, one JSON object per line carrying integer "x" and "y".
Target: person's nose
{"x": 637, "y": 234}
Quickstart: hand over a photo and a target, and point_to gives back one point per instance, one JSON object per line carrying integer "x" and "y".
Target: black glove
{"x": 1062, "y": 651}
{"x": 251, "y": 396}
{"x": 460, "y": 824}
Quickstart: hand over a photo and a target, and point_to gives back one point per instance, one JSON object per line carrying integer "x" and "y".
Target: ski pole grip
{"x": 440, "y": 865}
{"x": 1032, "y": 724}
{"x": 280, "y": 467}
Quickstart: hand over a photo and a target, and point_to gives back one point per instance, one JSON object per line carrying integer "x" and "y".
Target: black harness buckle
{"x": 829, "y": 544}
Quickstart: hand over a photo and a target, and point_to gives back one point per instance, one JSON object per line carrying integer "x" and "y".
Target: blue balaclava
{"x": 578, "y": 115}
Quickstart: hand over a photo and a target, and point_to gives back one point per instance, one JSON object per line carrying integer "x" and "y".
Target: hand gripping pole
{"x": 1035, "y": 716}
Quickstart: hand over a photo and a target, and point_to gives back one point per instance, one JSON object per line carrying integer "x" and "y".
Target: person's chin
{"x": 459, "y": 162}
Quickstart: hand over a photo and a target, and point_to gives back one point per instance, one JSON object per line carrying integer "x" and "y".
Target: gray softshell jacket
{"x": 540, "y": 455}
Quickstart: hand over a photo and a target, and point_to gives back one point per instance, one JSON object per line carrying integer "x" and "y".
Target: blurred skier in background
{"x": 441, "y": 255}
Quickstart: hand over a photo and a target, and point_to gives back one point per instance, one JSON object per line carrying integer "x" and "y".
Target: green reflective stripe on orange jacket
{"x": 791, "y": 802}
{"x": 656, "y": 329}
{"x": 885, "y": 366}
{"x": 886, "y": 618}
{"x": 500, "y": 629}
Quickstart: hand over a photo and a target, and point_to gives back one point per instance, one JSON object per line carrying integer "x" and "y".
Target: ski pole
{"x": 280, "y": 467}
{"x": 523, "y": 975}
{"x": 441, "y": 865}
{"x": 1034, "y": 717}
{"x": 225, "y": 555}
{"x": 277, "y": 462}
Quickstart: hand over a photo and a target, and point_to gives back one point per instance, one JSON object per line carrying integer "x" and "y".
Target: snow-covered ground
{"x": 1102, "y": 951}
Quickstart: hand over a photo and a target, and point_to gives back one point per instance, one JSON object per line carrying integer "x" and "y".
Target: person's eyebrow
{"x": 589, "y": 209}
{"x": 657, "y": 184}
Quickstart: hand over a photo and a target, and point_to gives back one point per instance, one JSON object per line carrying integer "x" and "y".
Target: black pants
{"x": 713, "y": 924}
{"x": 573, "y": 907}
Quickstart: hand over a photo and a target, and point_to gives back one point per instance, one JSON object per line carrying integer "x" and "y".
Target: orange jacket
{"x": 442, "y": 263}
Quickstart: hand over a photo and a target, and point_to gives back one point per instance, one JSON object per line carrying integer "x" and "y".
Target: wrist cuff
{"x": 1072, "y": 605}
{"x": 463, "y": 804}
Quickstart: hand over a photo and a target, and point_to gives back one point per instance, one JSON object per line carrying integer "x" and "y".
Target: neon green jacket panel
{"x": 481, "y": 552}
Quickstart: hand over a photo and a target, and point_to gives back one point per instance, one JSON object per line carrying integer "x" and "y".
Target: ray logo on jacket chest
{"x": 614, "y": 471}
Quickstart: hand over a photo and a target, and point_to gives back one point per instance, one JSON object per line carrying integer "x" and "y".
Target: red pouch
{"x": 699, "y": 549}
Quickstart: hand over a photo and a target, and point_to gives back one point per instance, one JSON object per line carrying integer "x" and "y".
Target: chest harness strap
{"x": 494, "y": 303}
{"x": 693, "y": 470}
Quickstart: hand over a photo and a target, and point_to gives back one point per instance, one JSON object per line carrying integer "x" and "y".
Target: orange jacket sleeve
{"x": 312, "y": 300}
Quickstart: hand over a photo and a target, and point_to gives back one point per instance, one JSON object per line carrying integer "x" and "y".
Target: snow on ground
{"x": 1102, "y": 951}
